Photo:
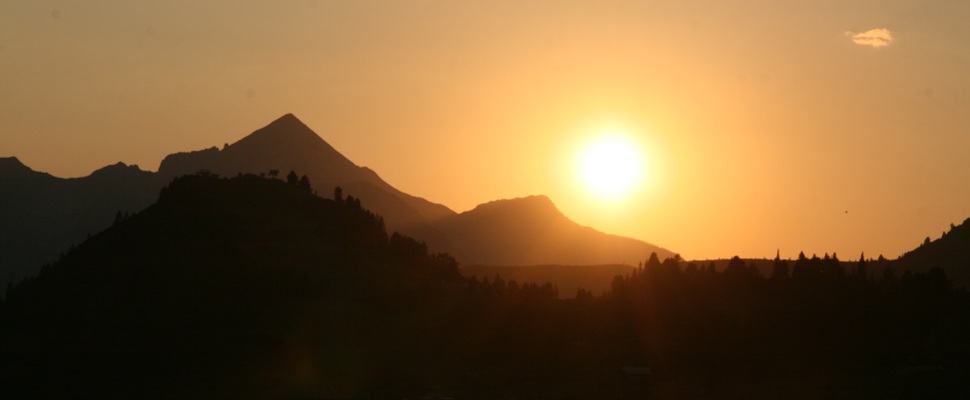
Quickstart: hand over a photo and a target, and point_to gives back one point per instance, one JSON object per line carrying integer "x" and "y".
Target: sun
{"x": 611, "y": 166}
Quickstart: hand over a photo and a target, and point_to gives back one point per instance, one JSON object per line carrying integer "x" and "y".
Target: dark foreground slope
{"x": 951, "y": 252}
{"x": 255, "y": 288}
{"x": 242, "y": 288}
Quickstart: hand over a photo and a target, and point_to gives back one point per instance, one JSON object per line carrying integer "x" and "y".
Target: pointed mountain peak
{"x": 288, "y": 120}
{"x": 286, "y": 129}
{"x": 285, "y": 144}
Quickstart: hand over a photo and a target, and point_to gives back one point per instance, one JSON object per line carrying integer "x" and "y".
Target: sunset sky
{"x": 764, "y": 125}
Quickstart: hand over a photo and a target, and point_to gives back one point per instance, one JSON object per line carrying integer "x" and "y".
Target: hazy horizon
{"x": 763, "y": 125}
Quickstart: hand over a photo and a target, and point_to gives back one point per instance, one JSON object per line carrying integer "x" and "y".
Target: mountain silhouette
{"x": 531, "y": 231}
{"x": 286, "y": 145}
{"x": 43, "y": 215}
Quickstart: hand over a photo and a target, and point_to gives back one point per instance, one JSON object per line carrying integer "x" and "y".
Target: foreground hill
{"x": 240, "y": 288}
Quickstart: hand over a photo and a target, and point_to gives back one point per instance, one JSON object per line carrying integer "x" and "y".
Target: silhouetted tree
{"x": 652, "y": 266}
{"x": 292, "y": 178}
{"x": 711, "y": 269}
{"x": 802, "y": 271}
{"x": 691, "y": 270}
{"x": 338, "y": 195}
{"x": 305, "y": 184}
{"x": 831, "y": 268}
{"x": 736, "y": 267}
{"x": 671, "y": 266}
{"x": 120, "y": 217}
{"x": 862, "y": 269}
{"x": 779, "y": 270}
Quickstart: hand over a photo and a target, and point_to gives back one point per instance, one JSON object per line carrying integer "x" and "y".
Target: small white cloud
{"x": 880, "y": 37}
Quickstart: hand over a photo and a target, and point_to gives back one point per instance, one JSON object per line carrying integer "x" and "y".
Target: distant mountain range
{"x": 42, "y": 215}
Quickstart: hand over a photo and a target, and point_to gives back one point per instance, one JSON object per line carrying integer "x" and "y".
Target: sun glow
{"x": 611, "y": 167}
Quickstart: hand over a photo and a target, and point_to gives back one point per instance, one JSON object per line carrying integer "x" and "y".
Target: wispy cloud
{"x": 879, "y": 37}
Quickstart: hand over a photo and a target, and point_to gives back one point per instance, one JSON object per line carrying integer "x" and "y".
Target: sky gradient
{"x": 828, "y": 126}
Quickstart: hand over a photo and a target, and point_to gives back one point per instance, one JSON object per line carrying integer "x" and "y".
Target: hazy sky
{"x": 823, "y": 126}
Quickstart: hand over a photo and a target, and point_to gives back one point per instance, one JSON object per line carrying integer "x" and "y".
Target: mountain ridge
{"x": 287, "y": 144}
{"x": 43, "y": 214}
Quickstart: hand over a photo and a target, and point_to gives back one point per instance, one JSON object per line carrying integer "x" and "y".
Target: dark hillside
{"x": 951, "y": 252}
{"x": 255, "y": 288}
{"x": 238, "y": 287}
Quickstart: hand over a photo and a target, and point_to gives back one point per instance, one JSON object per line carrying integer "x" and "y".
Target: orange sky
{"x": 765, "y": 121}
